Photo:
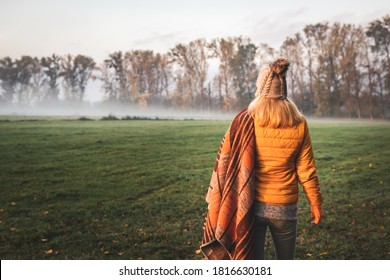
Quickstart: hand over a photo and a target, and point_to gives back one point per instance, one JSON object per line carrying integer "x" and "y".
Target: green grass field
{"x": 135, "y": 189}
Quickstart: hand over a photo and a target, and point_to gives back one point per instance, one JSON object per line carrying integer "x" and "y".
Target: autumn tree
{"x": 368, "y": 64}
{"x": 223, "y": 50}
{"x": 182, "y": 95}
{"x": 192, "y": 71}
{"x": 379, "y": 33}
{"x": 292, "y": 48}
{"x": 245, "y": 72}
{"x": 149, "y": 76}
{"x": 321, "y": 67}
{"x": 336, "y": 70}
{"x": 312, "y": 37}
{"x": 351, "y": 69}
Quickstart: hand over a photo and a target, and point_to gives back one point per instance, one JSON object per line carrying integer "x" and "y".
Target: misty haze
{"x": 337, "y": 70}
{"x": 97, "y": 110}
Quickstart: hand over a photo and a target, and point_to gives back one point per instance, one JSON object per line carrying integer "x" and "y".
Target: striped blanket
{"x": 228, "y": 231}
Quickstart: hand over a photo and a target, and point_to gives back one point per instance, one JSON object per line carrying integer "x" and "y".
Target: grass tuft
{"x": 110, "y": 117}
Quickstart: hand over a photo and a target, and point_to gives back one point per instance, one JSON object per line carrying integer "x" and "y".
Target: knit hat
{"x": 271, "y": 82}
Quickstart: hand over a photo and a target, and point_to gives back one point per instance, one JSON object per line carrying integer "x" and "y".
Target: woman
{"x": 263, "y": 155}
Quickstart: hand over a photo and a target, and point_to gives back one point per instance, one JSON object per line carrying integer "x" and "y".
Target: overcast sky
{"x": 97, "y": 28}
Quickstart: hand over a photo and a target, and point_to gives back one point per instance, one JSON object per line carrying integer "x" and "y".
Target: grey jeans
{"x": 284, "y": 235}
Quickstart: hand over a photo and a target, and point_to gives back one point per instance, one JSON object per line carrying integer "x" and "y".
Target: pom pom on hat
{"x": 271, "y": 82}
{"x": 279, "y": 66}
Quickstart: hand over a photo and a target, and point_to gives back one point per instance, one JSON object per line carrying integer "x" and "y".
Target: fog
{"x": 99, "y": 109}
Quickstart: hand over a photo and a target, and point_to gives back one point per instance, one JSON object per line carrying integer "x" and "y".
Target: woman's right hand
{"x": 316, "y": 214}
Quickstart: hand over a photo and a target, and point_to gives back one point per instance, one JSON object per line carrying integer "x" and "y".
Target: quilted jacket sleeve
{"x": 306, "y": 170}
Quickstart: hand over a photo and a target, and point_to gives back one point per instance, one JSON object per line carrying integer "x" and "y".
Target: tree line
{"x": 337, "y": 70}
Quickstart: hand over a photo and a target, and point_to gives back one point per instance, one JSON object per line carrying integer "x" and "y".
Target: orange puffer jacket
{"x": 284, "y": 157}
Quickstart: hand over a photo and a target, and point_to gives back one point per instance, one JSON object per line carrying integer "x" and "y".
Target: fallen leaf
{"x": 198, "y": 251}
{"x": 382, "y": 228}
{"x": 49, "y": 252}
{"x": 120, "y": 253}
{"x": 370, "y": 165}
{"x": 45, "y": 213}
{"x": 13, "y": 229}
{"x": 13, "y": 203}
{"x": 106, "y": 252}
{"x": 44, "y": 239}
{"x": 324, "y": 254}
{"x": 309, "y": 255}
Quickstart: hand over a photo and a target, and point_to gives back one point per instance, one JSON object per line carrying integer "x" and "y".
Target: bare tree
{"x": 266, "y": 54}
{"x": 114, "y": 77}
{"x": 68, "y": 74}
{"x": 109, "y": 82}
{"x": 24, "y": 67}
{"x": 38, "y": 83}
{"x": 164, "y": 73}
{"x": 76, "y": 72}
{"x": 51, "y": 67}
{"x": 9, "y": 78}
{"x": 85, "y": 66}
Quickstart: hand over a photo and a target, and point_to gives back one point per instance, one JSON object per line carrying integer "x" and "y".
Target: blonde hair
{"x": 271, "y": 108}
{"x": 274, "y": 113}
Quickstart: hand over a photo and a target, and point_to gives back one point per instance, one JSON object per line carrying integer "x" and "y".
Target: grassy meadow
{"x": 134, "y": 189}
